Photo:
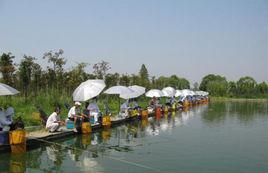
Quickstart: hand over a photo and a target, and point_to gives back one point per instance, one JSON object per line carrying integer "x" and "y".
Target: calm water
{"x": 219, "y": 137}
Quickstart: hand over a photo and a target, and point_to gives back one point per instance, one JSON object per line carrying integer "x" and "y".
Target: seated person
{"x": 124, "y": 107}
{"x": 6, "y": 118}
{"x": 94, "y": 110}
{"x": 86, "y": 112}
{"x": 53, "y": 121}
{"x": 75, "y": 113}
{"x": 153, "y": 102}
{"x": 135, "y": 105}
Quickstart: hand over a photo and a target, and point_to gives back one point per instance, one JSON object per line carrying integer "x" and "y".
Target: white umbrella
{"x": 138, "y": 91}
{"x": 154, "y": 93}
{"x": 186, "y": 92}
{"x": 7, "y": 90}
{"x": 169, "y": 92}
{"x": 178, "y": 93}
{"x": 119, "y": 90}
{"x": 88, "y": 89}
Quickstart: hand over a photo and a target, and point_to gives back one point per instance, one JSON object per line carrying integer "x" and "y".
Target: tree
{"x": 144, "y": 76}
{"x": 100, "y": 69}
{"x": 111, "y": 80}
{"x": 232, "y": 90}
{"x": 215, "y": 84}
{"x": 7, "y": 67}
{"x": 183, "y": 84}
{"x": 262, "y": 88}
{"x": 56, "y": 72}
{"x": 25, "y": 72}
{"x": 124, "y": 80}
{"x": 196, "y": 86}
{"x": 37, "y": 78}
{"x": 246, "y": 86}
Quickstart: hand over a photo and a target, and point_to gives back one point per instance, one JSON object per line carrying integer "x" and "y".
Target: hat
{"x": 77, "y": 103}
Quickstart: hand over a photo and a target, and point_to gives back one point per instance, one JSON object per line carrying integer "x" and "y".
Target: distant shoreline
{"x": 238, "y": 99}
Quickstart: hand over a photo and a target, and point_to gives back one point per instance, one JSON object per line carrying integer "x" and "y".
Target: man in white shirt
{"x": 53, "y": 121}
{"x": 75, "y": 113}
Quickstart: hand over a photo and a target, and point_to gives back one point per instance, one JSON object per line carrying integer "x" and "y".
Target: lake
{"x": 218, "y": 137}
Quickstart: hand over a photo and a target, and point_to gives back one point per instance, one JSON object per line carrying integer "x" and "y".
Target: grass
{"x": 27, "y": 108}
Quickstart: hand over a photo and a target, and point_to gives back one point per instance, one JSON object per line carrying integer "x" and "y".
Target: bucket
{"x": 174, "y": 106}
{"x": 166, "y": 109}
{"x": 144, "y": 114}
{"x": 17, "y": 137}
{"x": 106, "y": 121}
{"x": 69, "y": 124}
{"x": 4, "y": 138}
{"x": 86, "y": 127}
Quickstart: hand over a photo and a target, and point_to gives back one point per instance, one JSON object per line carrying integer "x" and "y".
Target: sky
{"x": 188, "y": 38}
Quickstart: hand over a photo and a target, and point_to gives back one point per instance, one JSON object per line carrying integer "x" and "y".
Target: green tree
{"x": 215, "y": 84}
{"x": 111, "y": 80}
{"x": 100, "y": 69}
{"x": 144, "y": 76}
{"x": 124, "y": 80}
{"x": 25, "y": 72}
{"x": 262, "y": 88}
{"x": 246, "y": 86}
{"x": 232, "y": 90}
{"x": 7, "y": 68}
{"x": 56, "y": 72}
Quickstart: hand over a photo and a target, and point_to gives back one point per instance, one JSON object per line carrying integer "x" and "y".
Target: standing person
{"x": 53, "y": 121}
{"x": 3, "y": 120}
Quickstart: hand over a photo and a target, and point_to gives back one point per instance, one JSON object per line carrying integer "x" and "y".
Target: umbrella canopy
{"x": 88, "y": 89}
{"x": 154, "y": 93}
{"x": 169, "y": 92}
{"x": 186, "y": 92}
{"x": 178, "y": 93}
{"x": 138, "y": 91}
{"x": 7, "y": 90}
{"x": 121, "y": 90}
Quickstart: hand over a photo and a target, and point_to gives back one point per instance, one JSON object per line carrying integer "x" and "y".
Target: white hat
{"x": 77, "y": 103}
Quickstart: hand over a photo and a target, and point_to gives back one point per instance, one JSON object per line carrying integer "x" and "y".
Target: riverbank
{"x": 217, "y": 99}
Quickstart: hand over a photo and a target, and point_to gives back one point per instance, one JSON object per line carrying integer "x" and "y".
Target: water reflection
{"x": 245, "y": 112}
{"x": 85, "y": 153}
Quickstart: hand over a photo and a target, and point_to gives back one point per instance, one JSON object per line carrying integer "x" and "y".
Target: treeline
{"x": 245, "y": 87}
{"x": 31, "y": 79}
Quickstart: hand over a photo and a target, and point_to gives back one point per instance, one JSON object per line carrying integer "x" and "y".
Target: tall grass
{"x": 27, "y": 108}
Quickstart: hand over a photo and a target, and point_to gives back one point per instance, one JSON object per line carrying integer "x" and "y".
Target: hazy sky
{"x": 189, "y": 38}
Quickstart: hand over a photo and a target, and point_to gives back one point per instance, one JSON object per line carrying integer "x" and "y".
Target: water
{"x": 219, "y": 137}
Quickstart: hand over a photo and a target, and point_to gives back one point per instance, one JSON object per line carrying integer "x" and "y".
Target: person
{"x": 124, "y": 107}
{"x": 135, "y": 104}
{"x": 6, "y": 118}
{"x": 152, "y": 102}
{"x": 94, "y": 110}
{"x": 75, "y": 113}
{"x": 53, "y": 121}
{"x": 86, "y": 112}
